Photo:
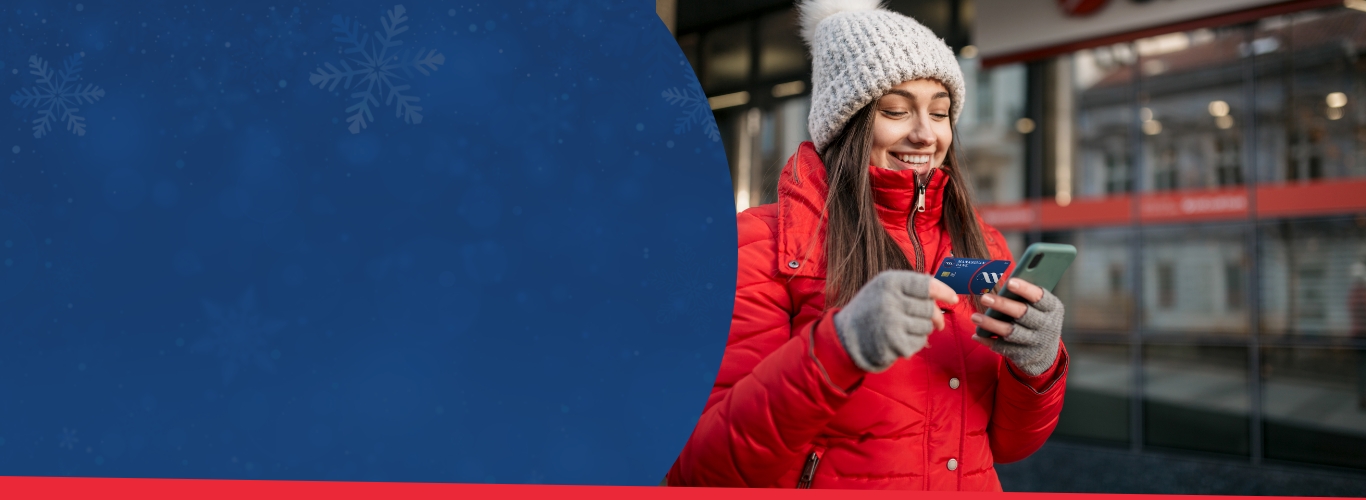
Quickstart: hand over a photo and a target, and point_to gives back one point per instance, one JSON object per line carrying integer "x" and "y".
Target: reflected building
{"x": 1209, "y": 165}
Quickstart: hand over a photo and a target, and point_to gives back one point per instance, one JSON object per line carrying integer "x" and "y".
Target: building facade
{"x": 1208, "y": 160}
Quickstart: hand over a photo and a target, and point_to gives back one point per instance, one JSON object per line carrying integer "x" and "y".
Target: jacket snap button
{"x": 953, "y": 383}
{"x": 953, "y": 464}
{"x": 794, "y": 264}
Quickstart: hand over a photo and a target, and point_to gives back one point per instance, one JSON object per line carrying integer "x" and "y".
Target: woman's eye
{"x": 894, "y": 114}
{"x": 939, "y": 115}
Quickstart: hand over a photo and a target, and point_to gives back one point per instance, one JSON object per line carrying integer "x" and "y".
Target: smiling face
{"x": 911, "y": 127}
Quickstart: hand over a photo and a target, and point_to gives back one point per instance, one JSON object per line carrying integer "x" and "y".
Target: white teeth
{"x": 915, "y": 158}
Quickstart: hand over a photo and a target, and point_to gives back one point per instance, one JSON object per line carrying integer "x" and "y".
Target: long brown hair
{"x": 856, "y": 245}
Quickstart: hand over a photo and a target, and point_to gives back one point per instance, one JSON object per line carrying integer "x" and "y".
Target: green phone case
{"x": 1042, "y": 264}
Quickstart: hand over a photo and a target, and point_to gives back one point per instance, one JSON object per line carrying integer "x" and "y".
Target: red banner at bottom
{"x": 210, "y": 489}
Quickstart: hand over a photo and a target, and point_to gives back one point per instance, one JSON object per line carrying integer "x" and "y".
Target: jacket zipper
{"x": 919, "y": 206}
{"x": 809, "y": 470}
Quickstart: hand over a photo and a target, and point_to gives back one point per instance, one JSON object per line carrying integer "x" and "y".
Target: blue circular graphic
{"x": 358, "y": 240}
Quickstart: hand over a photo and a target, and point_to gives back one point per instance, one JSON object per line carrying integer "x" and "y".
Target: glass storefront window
{"x": 1314, "y": 273}
{"x": 1309, "y": 76}
{"x": 1016, "y": 241}
{"x": 1096, "y": 288}
{"x": 1099, "y": 382}
{"x": 782, "y": 129}
{"x": 688, "y": 43}
{"x": 781, "y": 52}
{"x": 1314, "y": 405}
{"x": 726, "y": 58}
{"x": 759, "y": 140}
{"x": 1195, "y": 280}
{"x": 1192, "y": 110}
{"x": 1101, "y": 97}
{"x": 991, "y": 149}
{"x": 730, "y": 123}
{"x": 1196, "y": 398}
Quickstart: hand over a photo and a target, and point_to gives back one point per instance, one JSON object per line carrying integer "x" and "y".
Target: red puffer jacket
{"x": 789, "y": 408}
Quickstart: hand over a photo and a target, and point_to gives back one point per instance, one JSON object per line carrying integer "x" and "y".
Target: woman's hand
{"x": 891, "y": 317}
{"x": 1031, "y": 342}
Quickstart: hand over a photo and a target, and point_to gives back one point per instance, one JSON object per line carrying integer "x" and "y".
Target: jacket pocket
{"x": 813, "y": 460}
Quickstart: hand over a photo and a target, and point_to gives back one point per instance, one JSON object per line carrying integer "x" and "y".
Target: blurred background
{"x": 1207, "y": 158}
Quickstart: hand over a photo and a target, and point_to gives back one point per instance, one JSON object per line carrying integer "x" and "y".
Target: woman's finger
{"x": 943, "y": 293}
{"x": 1012, "y": 308}
{"x": 1029, "y": 291}
{"x": 993, "y": 325}
{"x": 937, "y": 317}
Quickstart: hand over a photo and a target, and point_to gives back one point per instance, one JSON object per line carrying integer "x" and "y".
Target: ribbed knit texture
{"x": 890, "y": 318}
{"x": 859, "y": 51}
{"x": 1033, "y": 343}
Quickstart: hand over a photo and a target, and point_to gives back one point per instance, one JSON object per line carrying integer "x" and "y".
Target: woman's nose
{"x": 920, "y": 134}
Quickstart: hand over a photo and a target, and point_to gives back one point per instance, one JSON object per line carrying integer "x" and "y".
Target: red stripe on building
{"x": 1193, "y": 206}
{"x": 1317, "y": 198}
{"x": 1108, "y": 211}
{"x": 1008, "y": 217}
{"x": 1320, "y": 198}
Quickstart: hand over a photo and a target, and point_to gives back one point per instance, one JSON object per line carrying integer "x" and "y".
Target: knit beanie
{"x": 859, "y": 51}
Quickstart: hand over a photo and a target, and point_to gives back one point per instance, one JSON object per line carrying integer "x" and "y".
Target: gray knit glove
{"x": 1033, "y": 344}
{"x": 888, "y": 319}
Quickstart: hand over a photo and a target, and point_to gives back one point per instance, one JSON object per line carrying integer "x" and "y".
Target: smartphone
{"x": 1042, "y": 264}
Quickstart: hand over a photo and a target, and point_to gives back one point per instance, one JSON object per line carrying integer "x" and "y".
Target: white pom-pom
{"x": 815, "y": 11}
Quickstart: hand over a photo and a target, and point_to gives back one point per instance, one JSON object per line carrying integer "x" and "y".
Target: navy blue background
{"x": 212, "y": 276}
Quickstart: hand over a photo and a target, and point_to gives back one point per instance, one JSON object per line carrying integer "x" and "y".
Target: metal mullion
{"x": 754, "y": 115}
{"x": 1036, "y": 75}
{"x": 1316, "y": 343}
{"x": 1251, "y": 286}
{"x": 1136, "y": 270}
{"x": 1088, "y": 337}
{"x": 700, "y": 69}
{"x": 755, "y": 31}
{"x": 1185, "y": 339}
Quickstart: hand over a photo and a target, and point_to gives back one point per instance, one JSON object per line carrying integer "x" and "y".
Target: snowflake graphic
{"x": 239, "y": 335}
{"x": 696, "y": 111}
{"x": 67, "y": 439}
{"x": 377, "y": 68}
{"x": 56, "y": 94}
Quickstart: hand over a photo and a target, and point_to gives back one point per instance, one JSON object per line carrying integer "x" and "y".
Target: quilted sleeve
{"x": 775, "y": 390}
{"x": 1026, "y": 409}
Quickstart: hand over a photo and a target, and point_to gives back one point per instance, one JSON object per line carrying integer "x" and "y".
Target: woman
{"x": 841, "y": 371}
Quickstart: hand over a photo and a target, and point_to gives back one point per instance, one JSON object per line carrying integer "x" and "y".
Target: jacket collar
{"x": 802, "y": 191}
{"x": 894, "y": 193}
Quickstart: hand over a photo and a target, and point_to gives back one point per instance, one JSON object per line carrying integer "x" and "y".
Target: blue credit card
{"x": 972, "y": 276}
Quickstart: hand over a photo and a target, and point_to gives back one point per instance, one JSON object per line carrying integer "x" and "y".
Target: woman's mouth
{"x": 908, "y": 160}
